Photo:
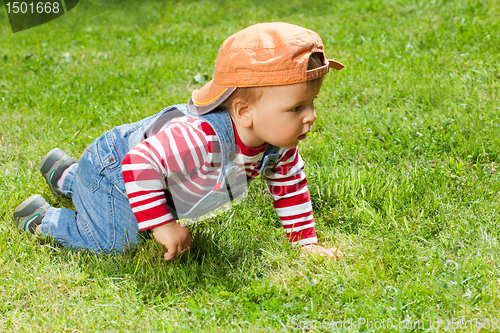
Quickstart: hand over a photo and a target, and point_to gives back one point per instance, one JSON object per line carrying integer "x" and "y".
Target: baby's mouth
{"x": 303, "y": 136}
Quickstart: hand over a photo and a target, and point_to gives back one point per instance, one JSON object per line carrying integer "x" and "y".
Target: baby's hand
{"x": 175, "y": 237}
{"x": 314, "y": 249}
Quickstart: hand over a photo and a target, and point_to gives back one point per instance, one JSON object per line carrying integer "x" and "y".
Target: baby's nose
{"x": 310, "y": 115}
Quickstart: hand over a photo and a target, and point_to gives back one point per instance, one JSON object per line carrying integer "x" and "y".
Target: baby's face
{"x": 284, "y": 114}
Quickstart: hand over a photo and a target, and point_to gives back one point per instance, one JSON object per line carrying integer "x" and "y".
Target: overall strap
{"x": 271, "y": 154}
{"x": 140, "y": 128}
{"x": 223, "y": 127}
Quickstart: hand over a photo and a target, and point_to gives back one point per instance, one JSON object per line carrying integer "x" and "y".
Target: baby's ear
{"x": 241, "y": 112}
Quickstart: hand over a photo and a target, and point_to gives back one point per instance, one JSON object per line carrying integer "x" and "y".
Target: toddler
{"x": 192, "y": 160}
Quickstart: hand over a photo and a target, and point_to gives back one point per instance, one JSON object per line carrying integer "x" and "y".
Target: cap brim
{"x": 335, "y": 64}
{"x": 209, "y": 97}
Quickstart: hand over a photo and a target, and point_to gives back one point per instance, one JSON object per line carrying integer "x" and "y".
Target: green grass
{"x": 402, "y": 168}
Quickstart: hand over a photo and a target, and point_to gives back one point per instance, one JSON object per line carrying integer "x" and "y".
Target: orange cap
{"x": 264, "y": 54}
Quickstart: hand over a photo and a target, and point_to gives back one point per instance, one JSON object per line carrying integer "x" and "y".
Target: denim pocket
{"x": 102, "y": 159}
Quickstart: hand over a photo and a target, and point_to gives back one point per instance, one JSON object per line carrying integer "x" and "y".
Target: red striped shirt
{"x": 184, "y": 158}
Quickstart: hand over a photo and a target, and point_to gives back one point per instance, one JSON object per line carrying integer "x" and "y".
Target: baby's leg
{"x": 104, "y": 222}
{"x": 64, "y": 226}
{"x": 35, "y": 216}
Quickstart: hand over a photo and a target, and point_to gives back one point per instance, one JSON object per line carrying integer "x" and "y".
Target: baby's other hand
{"x": 314, "y": 249}
{"x": 175, "y": 237}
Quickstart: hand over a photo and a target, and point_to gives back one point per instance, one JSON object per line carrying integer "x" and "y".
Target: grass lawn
{"x": 402, "y": 168}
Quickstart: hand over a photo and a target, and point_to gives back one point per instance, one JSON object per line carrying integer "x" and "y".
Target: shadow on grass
{"x": 214, "y": 262}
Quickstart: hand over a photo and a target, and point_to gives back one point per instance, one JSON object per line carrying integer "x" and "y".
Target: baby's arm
{"x": 289, "y": 189}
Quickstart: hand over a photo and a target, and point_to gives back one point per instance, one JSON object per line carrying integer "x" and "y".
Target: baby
{"x": 192, "y": 160}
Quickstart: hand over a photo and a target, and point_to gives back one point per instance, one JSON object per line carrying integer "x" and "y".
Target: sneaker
{"x": 30, "y": 213}
{"x": 53, "y": 166}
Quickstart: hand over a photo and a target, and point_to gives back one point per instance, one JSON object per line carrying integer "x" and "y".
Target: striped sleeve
{"x": 288, "y": 186}
{"x": 180, "y": 150}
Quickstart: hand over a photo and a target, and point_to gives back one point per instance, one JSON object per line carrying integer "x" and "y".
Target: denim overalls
{"x": 103, "y": 220}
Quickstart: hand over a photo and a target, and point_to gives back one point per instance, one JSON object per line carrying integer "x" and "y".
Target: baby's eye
{"x": 297, "y": 108}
